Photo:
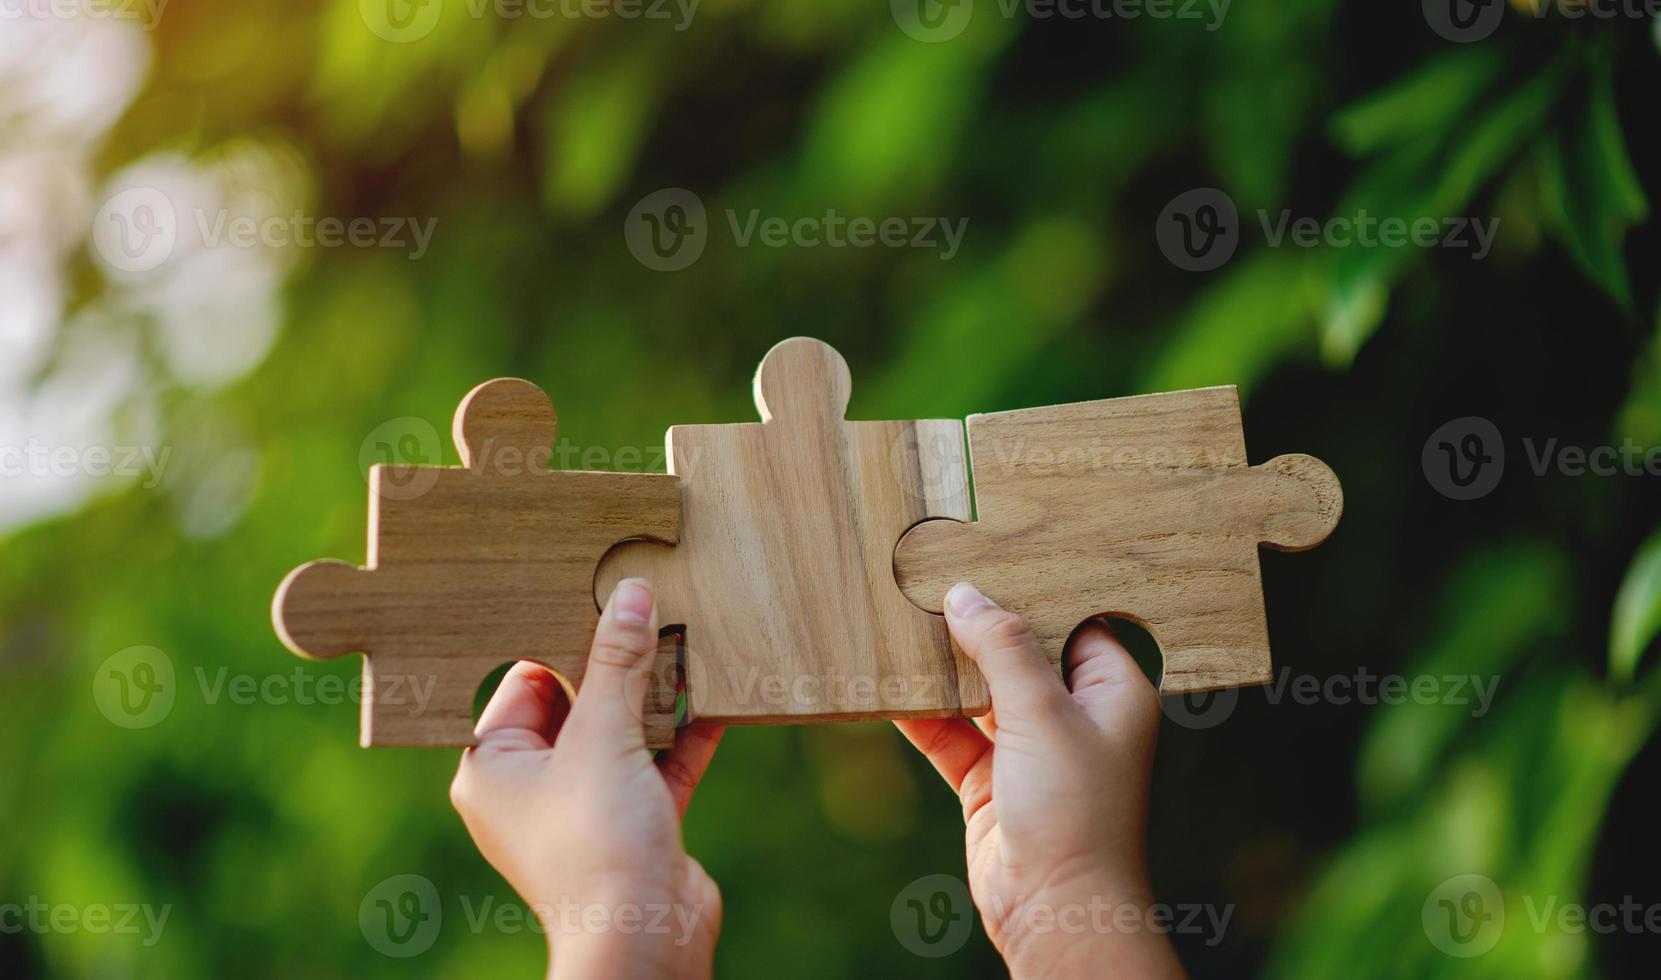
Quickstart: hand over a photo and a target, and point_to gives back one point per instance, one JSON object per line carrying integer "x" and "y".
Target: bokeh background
{"x": 263, "y": 378}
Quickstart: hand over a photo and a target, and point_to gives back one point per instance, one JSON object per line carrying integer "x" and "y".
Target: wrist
{"x": 655, "y": 938}
{"x": 1090, "y": 928}
{"x": 1142, "y": 955}
{"x": 639, "y": 958}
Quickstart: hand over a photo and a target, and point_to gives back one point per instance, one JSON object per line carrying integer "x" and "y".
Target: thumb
{"x": 608, "y": 707}
{"x": 1026, "y": 690}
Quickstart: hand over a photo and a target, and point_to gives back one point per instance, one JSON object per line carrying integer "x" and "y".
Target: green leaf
{"x": 1424, "y": 105}
{"x": 1495, "y": 608}
{"x": 1354, "y": 309}
{"x": 1244, "y": 324}
{"x": 1496, "y": 139}
{"x": 1640, "y": 418}
{"x": 1429, "y": 178}
{"x": 1636, "y": 620}
{"x": 1591, "y": 192}
{"x": 594, "y": 128}
{"x": 888, "y": 120}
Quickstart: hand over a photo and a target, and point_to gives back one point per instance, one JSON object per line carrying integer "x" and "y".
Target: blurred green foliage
{"x": 529, "y": 140}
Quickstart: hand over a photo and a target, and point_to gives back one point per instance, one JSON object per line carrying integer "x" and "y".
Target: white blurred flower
{"x": 66, "y": 80}
{"x": 158, "y": 230}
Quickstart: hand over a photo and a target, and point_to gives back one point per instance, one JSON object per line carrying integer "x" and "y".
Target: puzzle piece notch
{"x": 783, "y": 576}
{"x": 488, "y": 563}
{"x": 1141, "y": 508}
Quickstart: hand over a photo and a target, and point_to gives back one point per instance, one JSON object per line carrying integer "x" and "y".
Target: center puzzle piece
{"x": 784, "y": 576}
{"x": 1141, "y": 507}
{"x": 474, "y": 566}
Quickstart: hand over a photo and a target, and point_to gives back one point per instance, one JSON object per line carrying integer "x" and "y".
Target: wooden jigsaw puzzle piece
{"x": 1142, "y": 508}
{"x": 783, "y": 576}
{"x": 471, "y": 567}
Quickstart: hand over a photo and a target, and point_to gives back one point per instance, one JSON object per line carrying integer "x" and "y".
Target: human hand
{"x": 573, "y": 811}
{"x": 1055, "y": 797}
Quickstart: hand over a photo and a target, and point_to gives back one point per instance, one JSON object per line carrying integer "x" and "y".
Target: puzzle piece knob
{"x": 1306, "y": 502}
{"x": 317, "y": 610}
{"x": 802, "y": 378}
{"x": 504, "y": 414}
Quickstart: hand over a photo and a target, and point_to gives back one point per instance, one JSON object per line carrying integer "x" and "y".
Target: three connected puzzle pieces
{"x": 803, "y": 558}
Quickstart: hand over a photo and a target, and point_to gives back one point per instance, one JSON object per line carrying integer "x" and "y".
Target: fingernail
{"x": 964, "y": 599}
{"x": 631, "y": 602}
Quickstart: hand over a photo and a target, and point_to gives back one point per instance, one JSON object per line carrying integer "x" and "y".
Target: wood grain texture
{"x": 474, "y": 566}
{"x": 783, "y": 576}
{"x": 1141, "y": 507}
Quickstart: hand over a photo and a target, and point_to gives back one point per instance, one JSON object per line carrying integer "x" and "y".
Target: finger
{"x": 530, "y": 700}
{"x": 683, "y": 766}
{"x": 988, "y": 724}
{"x": 1024, "y": 686}
{"x": 952, "y": 745}
{"x": 522, "y": 716}
{"x": 609, "y": 705}
{"x": 1105, "y": 680}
